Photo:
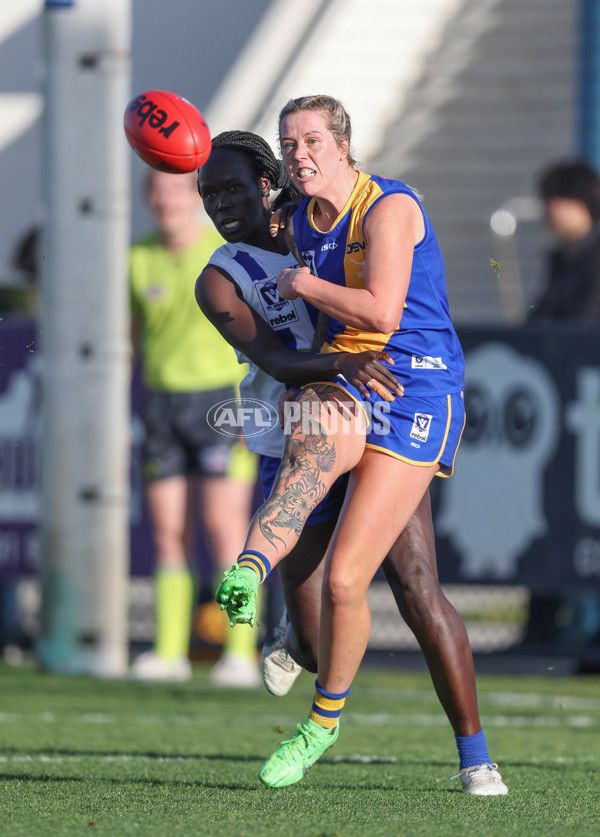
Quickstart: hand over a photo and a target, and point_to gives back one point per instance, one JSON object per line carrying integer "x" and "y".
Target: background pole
{"x": 85, "y": 348}
{"x": 589, "y": 82}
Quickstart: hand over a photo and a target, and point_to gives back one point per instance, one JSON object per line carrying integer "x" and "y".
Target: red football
{"x": 167, "y": 131}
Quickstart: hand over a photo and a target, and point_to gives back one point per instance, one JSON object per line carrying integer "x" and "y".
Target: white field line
{"x": 542, "y": 701}
{"x": 578, "y": 721}
{"x": 43, "y": 758}
{"x": 510, "y": 700}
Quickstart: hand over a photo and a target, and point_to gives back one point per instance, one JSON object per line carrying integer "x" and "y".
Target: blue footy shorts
{"x": 420, "y": 430}
{"x": 327, "y": 509}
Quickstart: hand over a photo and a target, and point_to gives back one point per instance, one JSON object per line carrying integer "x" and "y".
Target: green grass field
{"x": 83, "y": 756}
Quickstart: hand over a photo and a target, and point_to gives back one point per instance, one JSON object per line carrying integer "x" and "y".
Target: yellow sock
{"x": 327, "y": 706}
{"x": 174, "y": 590}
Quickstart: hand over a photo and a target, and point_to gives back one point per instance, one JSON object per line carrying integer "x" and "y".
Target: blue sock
{"x": 472, "y": 749}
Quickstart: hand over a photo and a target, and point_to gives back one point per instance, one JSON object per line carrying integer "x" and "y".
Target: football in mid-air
{"x": 167, "y": 132}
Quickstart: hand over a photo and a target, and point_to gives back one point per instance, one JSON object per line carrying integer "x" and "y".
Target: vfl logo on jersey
{"x": 308, "y": 257}
{"x": 278, "y": 312}
{"x": 427, "y": 362}
{"x": 270, "y": 295}
{"x": 421, "y": 427}
{"x": 355, "y": 247}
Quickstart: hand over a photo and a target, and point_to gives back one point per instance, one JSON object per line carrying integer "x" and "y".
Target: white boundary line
{"x": 43, "y": 758}
{"x": 579, "y": 721}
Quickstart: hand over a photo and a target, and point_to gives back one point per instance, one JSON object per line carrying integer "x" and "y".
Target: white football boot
{"x": 482, "y": 780}
{"x": 235, "y": 672}
{"x": 279, "y": 669}
{"x": 151, "y": 668}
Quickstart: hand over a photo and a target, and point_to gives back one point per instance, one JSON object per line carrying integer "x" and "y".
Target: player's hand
{"x": 288, "y": 280}
{"x": 281, "y": 219}
{"x": 368, "y": 374}
{"x": 281, "y": 216}
{"x": 285, "y": 398}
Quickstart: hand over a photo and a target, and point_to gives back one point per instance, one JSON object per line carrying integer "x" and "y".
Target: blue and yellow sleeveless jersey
{"x": 427, "y": 354}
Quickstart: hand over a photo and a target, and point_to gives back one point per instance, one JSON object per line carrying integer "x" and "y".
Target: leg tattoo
{"x": 300, "y": 484}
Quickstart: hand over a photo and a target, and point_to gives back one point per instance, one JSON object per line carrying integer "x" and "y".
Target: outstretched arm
{"x": 220, "y": 300}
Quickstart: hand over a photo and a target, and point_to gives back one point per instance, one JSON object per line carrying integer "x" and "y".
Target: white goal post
{"x": 85, "y": 338}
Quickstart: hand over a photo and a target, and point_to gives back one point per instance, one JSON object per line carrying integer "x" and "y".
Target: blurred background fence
{"x": 466, "y": 100}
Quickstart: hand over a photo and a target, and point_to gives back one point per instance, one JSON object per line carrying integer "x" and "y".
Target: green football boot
{"x": 292, "y": 760}
{"x": 237, "y": 595}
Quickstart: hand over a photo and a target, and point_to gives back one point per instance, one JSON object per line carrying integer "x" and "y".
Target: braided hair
{"x": 262, "y": 160}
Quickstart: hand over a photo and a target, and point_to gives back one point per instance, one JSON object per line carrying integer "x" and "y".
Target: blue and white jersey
{"x": 255, "y": 271}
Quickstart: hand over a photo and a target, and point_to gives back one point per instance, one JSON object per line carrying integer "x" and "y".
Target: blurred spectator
{"x": 570, "y": 193}
{"x": 187, "y": 368}
{"x": 20, "y": 296}
{"x": 26, "y": 253}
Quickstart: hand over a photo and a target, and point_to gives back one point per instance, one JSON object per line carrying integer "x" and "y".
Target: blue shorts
{"x": 327, "y": 509}
{"x": 420, "y": 430}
